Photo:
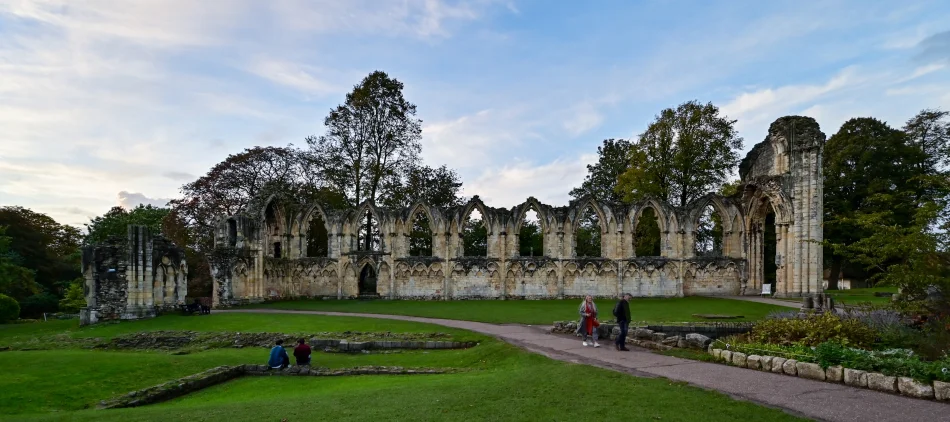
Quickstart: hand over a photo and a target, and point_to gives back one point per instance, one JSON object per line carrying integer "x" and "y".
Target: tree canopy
{"x": 601, "y": 180}
{"x": 116, "y": 221}
{"x": 683, "y": 154}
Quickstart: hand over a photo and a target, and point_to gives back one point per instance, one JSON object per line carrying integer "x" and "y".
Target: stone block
{"x": 881, "y": 382}
{"x": 942, "y": 390}
{"x": 834, "y": 374}
{"x": 716, "y": 353}
{"x": 671, "y": 341}
{"x": 855, "y": 378}
{"x": 778, "y": 365}
{"x": 754, "y": 362}
{"x": 766, "y": 362}
{"x": 790, "y": 367}
{"x": 643, "y": 334}
{"x": 810, "y": 370}
{"x": 726, "y": 356}
{"x": 697, "y": 341}
{"x": 739, "y": 359}
{"x": 913, "y": 388}
{"x": 659, "y": 337}
{"x": 682, "y": 344}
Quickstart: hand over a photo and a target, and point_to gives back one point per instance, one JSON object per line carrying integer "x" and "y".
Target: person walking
{"x": 622, "y": 313}
{"x": 588, "y": 325}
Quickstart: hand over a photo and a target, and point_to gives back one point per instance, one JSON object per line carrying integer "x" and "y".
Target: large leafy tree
{"x": 16, "y": 281}
{"x": 601, "y": 180}
{"x": 872, "y": 173}
{"x": 685, "y": 153}
{"x": 372, "y": 137}
{"x": 438, "y": 187}
{"x": 227, "y": 189}
{"x": 116, "y": 221}
{"x": 49, "y": 249}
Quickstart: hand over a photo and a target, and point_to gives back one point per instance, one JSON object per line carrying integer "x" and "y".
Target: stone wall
{"x": 262, "y": 253}
{"x": 132, "y": 278}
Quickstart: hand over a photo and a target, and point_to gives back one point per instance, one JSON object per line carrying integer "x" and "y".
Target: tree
{"x": 531, "y": 240}
{"x": 227, "y": 189}
{"x": 872, "y": 171}
{"x": 684, "y": 154}
{"x": 9, "y": 308}
{"x": 602, "y": 176}
{"x": 437, "y": 187}
{"x": 371, "y": 138}
{"x": 116, "y": 222}
{"x": 43, "y": 246}
{"x": 16, "y": 281}
{"x": 74, "y": 297}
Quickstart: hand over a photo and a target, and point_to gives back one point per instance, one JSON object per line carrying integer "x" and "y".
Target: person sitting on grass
{"x": 278, "y": 356}
{"x": 302, "y": 353}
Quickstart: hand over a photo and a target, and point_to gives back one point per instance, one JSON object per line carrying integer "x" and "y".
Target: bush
{"x": 814, "y": 330}
{"x": 74, "y": 298}
{"x": 9, "y": 309}
{"x": 34, "y": 306}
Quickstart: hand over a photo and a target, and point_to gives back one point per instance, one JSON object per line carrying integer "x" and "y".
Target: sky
{"x": 106, "y": 103}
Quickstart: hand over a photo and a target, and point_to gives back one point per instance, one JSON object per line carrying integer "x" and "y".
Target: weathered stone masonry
{"x": 132, "y": 278}
{"x": 261, "y": 253}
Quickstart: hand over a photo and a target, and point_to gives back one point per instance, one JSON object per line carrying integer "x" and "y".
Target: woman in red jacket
{"x": 588, "y": 325}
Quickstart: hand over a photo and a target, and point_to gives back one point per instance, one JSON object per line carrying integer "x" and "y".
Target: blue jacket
{"x": 278, "y": 357}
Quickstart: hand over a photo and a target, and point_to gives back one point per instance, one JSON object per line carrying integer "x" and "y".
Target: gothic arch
{"x": 425, "y": 209}
{"x": 474, "y": 203}
{"x": 522, "y": 210}
{"x": 663, "y": 214}
{"x": 582, "y": 207}
{"x": 726, "y": 210}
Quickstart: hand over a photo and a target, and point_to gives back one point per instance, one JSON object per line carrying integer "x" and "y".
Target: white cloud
{"x": 583, "y": 118}
{"x": 477, "y": 140}
{"x": 509, "y": 185}
{"x": 307, "y": 79}
{"x": 129, "y": 200}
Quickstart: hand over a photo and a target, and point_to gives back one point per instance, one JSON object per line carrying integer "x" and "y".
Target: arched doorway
{"x": 367, "y": 283}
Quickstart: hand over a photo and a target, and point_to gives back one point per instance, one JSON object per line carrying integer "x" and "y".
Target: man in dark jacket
{"x": 622, "y": 313}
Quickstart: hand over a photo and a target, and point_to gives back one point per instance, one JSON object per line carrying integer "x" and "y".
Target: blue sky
{"x": 105, "y": 103}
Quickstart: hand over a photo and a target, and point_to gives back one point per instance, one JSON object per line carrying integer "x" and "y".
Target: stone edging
{"x": 855, "y": 378}
{"x": 182, "y": 386}
{"x": 356, "y": 346}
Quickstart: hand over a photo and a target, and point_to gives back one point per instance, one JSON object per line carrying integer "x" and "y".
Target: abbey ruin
{"x": 281, "y": 248}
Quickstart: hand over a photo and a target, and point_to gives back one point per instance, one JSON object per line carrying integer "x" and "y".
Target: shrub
{"x": 74, "y": 298}
{"x": 814, "y": 330}
{"x": 34, "y": 306}
{"x": 9, "y": 308}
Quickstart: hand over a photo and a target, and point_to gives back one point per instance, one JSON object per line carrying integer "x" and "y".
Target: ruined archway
{"x": 588, "y": 233}
{"x": 420, "y": 233}
{"x": 474, "y": 234}
{"x": 530, "y": 231}
{"x": 367, "y": 281}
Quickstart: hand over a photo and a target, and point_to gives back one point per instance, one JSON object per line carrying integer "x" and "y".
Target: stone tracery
{"x": 782, "y": 173}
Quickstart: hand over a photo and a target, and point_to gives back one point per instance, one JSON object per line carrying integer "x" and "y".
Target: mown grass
{"x": 536, "y": 312}
{"x": 272, "y": 323}
{"x": 858, "y": 296}
{"x": 496, "y": 381}
{"x": 523, "y": 387}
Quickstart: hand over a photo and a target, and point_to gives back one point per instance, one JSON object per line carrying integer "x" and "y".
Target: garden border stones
{"x": 852, "y": 377}
{"x": 214, "y": 376}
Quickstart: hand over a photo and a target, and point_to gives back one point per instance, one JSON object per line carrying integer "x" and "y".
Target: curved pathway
{"x": 802, "y": 397}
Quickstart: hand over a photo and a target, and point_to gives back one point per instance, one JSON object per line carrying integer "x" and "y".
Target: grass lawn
{"x": 272, "y": 323}
{"x": 496, "y": 381}
{"x": 523, "y": 387}
{"x": 537, "y": 312}
{"x": 857, "y": 296}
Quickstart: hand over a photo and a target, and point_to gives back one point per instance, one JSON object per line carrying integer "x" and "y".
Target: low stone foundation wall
{"x": 641, "y": 336}
{"x": 182, "y": 386}
{"x": 904, "y": 386}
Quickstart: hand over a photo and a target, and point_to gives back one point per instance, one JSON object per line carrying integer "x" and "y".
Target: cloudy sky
{"x": 121, "y": 102}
